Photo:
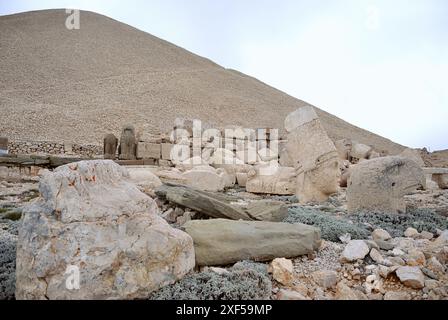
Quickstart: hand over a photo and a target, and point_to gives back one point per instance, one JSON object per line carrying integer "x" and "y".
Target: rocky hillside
{"x": 76, "y": 85}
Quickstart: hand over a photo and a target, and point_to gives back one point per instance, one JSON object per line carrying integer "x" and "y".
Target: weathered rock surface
{"x": 411, "y": 276}
{"x": 343, "y": 146}
{"x": 282, "y": 271}
{"x": 355, "y": 250}
{"x": 441, "y": 180}
{"x": 205, "y": 178}
{"x": 314, "y": 156}
{"x": 325, "y": 278}
{"x": 144, "y": 178}
{"x": 221, "y": 242}
{"x": 91, "y": 218}
{"x": 397, "y": 295}
{"x": 344, "y": 292}
{"x": 360, "y": 151}
{"x": 380, "y": 184}
{"x": 219, "y": 205}
{"x": 380, "y": 235}
{"x": 282, "y": 181}
{"x": 285, "y": 294}
{"x": 414, "y": 155}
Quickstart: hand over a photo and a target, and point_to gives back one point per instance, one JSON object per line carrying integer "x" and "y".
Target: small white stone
{"x": 380, "y": 234}
{"x": 411, "y": 233}
{"x": 354, "y": 250}
{"x": 376, "y": 256}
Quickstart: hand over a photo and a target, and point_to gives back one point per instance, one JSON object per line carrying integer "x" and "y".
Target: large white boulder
{"x": 90, "y": 223}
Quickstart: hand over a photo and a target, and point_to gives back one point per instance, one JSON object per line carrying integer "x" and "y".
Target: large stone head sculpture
{"x": 379, "y": 185}
{"x": 314, "y": 156}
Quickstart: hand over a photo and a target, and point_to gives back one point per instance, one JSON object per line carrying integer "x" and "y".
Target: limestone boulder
{"x": 346, "y": 171}
{"x": 355, "y": 250}
{"x": 380, "y": 235}
{"x": 343, "y": 146}
{"x": 223, "y": 242}
{"x": 144, "y": 178}
{"x": 411, "y": 276}
{"x": 282, "y": 271}
{"x": 414, "y": 155}
{"x": 344, "y": 292}
{"x": 360, "y": 151}
{"x": 265, "y": 210}
{"x": 172, "y": 175}
{"x": 441, "y": 180}
{"x": 91, "y": 224}
{"x": 325, "y": 278}
{"x": 224, "y": 156}
{"x": 381, "y": 184}
{"x": 267, "y": 154}
{"x": 205, "y": 178}
{"x": 219, "y": 205}
{"x": 190, "y": 163}
{"x": 241, "y": 179}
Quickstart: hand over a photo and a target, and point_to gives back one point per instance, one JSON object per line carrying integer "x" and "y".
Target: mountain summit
{"x": 77, "y": 85}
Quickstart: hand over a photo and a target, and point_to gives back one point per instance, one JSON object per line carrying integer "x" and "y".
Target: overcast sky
{"x": 379, "y": 64}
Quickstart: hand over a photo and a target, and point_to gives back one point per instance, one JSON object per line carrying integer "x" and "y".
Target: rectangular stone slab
{"x": 147, "y": 150}
{"x": 223, "y": 242}
{"x": 166, "y": 151}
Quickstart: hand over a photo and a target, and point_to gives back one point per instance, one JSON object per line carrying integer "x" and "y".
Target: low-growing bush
{"x": 245, "y": 281}
{"x": 331, "y": 227}
{"x": 422, "y": 219}
{"x": 7, "y": 262}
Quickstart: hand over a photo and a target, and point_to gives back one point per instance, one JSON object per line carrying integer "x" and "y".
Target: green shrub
{"x": 422, "y": 219}
{"x": 7, "y": 261}
{"x": 331, "y": 227}
{"x": 243, "y": 282}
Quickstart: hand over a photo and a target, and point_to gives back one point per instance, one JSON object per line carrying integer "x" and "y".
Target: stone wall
{"x": 53, "y": 148}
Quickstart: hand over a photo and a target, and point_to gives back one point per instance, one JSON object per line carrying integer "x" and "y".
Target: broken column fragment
{"x": 221, "y": 242}
{"x": 314, "y": 155}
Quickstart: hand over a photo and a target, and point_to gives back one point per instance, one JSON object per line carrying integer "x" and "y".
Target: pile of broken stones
{"x": 138, "y": 234}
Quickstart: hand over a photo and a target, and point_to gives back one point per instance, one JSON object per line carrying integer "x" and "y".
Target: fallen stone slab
{"x": 218, "y": 205}
{"x": 222, "y": 242}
